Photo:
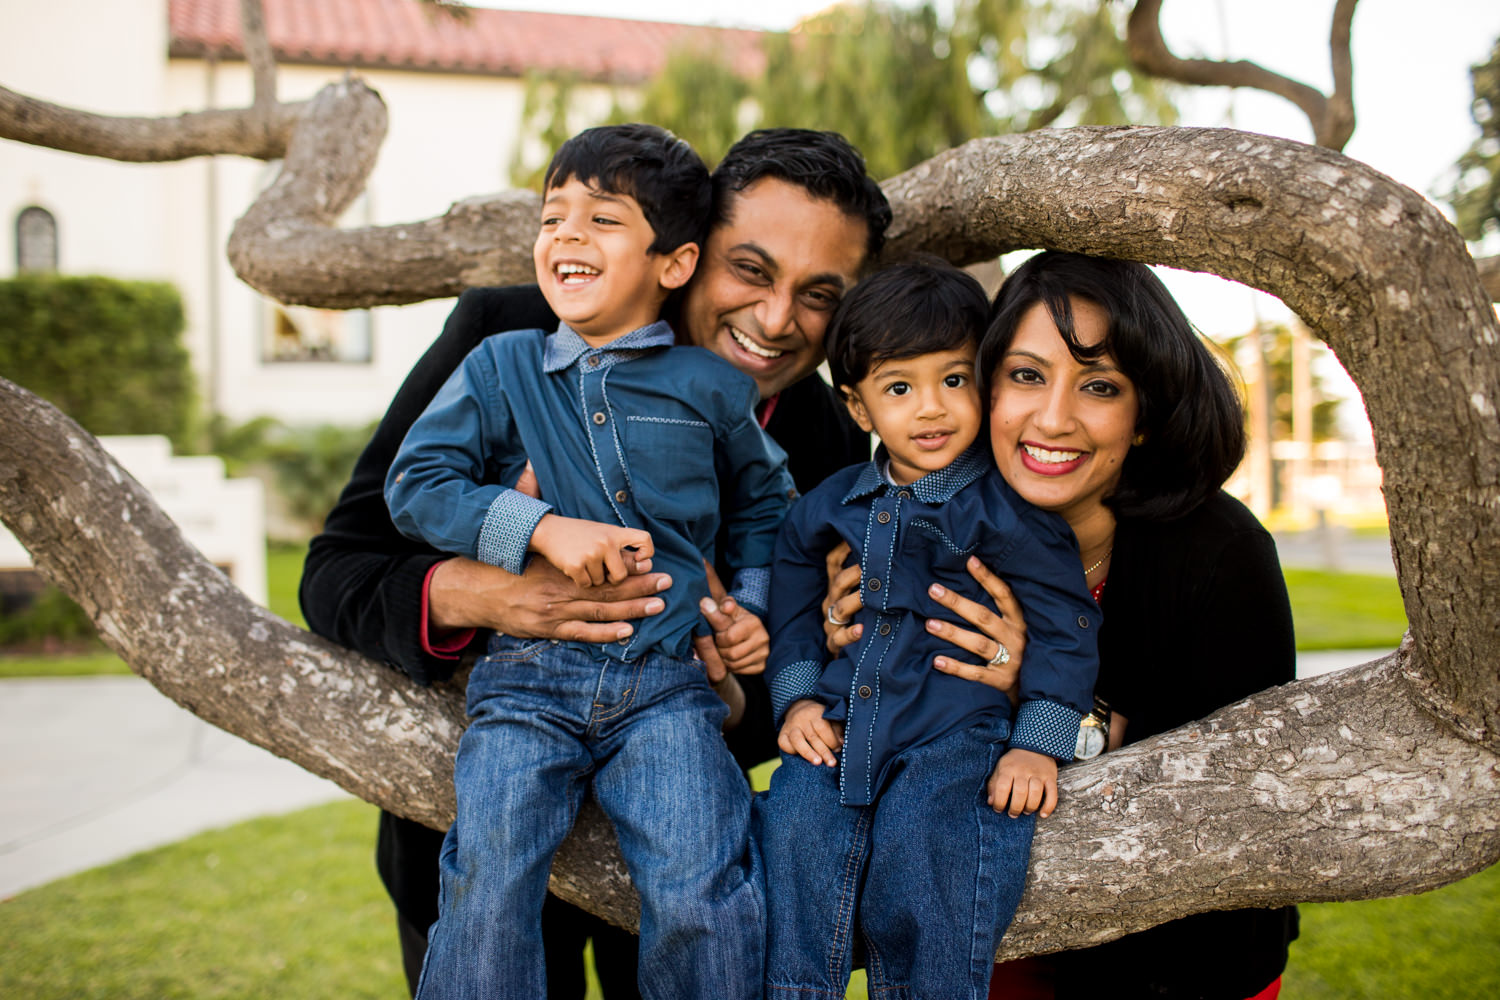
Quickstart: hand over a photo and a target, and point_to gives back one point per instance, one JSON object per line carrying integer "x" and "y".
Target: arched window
{"x": 36, "y": 241}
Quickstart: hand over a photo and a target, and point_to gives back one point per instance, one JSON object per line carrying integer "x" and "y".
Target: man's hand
{"x": 541, "y": 603}
{"x": 807, "y": 734}
{"x": 1024, "y": 782}
{"x": 589, "y": 552}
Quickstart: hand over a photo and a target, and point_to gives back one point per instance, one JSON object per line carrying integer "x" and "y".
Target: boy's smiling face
{"x": 925, "y": 409}
{"x": 594, "y": 264}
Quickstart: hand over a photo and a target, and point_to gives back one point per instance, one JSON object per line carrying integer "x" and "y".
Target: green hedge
{"x": 107, "y": 353}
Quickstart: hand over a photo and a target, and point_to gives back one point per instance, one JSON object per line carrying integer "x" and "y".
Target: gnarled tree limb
{"x": 1377, "y": 781}
{"x": 1331, "y": 116}
{"x": 237, "y": 132}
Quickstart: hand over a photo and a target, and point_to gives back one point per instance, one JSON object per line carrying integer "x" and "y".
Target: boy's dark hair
{"x": 822, "y": 163}
{"x": 1190, "y": 413}
{"x": 922, "y": 306}
{"x": 660, "y": 171}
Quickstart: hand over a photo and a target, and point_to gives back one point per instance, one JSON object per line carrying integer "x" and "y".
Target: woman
{"x": 1106, "y": 408}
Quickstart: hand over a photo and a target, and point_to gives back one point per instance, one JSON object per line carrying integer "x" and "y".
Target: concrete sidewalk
{"x": 93, "y": 769}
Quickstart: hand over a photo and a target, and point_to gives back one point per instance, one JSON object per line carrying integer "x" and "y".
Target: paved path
{"x": 93, "y": 769}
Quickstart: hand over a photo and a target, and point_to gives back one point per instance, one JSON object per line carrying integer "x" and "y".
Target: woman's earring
{"x": 1139, "y": 439}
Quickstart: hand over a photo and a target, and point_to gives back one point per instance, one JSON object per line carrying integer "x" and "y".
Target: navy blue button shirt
{"x": 639, "y": 433}
{"x": 884, "y": 688}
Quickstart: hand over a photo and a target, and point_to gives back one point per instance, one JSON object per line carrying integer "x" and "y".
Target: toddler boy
{"x": 630, "y": 438}
{"x": 876, "y": 821}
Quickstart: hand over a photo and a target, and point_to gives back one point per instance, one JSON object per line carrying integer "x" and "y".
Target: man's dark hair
{"x": 922, "y": 306}
{"x": 660, "y": 171}
{"x": 1190, "y": 413}
{"x": 822, "y": 163}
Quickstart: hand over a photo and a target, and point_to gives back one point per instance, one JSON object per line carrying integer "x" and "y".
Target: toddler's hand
{"x": 739, "y": 635}
{"x": 589, "y": 552}
{"x": 1024, "y": 782}
{"x": 807, "y": 734}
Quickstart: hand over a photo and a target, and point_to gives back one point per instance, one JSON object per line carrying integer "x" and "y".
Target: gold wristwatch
{"x": 1093, "y": 732}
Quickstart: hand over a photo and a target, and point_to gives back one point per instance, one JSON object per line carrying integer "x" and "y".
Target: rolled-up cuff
{"x": 506, "y": 532}
{"x": 794, "y": 681}
{"x": 1046, "y": 727}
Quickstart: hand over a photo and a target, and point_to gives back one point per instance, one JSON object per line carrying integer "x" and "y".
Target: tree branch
{"x": 259, "y": 54}
{"x": 1377, "y": 781}
{"x": 288, "y": 245}
{"x": 237, "y": 132}
{"x": 1332, "y": 119}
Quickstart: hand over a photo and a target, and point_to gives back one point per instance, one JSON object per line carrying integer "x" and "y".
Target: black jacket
{"x": 362, "y": 584}
{"x": 1196, "y": 617}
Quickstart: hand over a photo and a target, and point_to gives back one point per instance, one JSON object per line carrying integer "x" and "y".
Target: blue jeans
{"x": 929, "y": 876}
{"x": 546, "y": 720}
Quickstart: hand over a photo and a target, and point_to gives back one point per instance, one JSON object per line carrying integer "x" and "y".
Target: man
{"x": 795, "y": 221}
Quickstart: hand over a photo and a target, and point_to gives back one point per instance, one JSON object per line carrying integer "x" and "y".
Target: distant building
{"x": 455, "y": 91}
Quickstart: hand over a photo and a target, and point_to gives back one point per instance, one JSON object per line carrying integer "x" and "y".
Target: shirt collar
{"x": 565, "y": 347}
{"x": 935, "y": 487}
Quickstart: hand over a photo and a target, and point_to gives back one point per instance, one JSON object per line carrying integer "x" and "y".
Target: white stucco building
{"x": 455, "y": 92}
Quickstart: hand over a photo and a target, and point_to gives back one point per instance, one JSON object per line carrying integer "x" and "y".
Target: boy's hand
{"x": 740, "y": 637}
{"x": 1024, "y": 782}
{"x": 807, "y": 734}
{"x": 589, "y": 552}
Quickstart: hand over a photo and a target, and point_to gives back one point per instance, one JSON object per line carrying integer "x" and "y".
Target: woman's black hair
{"x": 1190, "y": 413}
{"x": 922, "y": 306}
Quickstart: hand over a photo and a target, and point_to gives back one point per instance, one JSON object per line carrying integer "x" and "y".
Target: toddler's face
{"x": 925, "y": 409}
{"x": 594, "y": 264}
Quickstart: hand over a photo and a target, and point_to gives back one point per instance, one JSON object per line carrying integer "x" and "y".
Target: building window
{"x": 36, "y": 241}
{"x": 302, "y": 333}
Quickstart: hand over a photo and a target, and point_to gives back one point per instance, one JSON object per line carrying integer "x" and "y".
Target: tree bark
{"x": 1331, "y": 116}
{"x": 1372, "y": 782}
{"x": 288, "y": 244}
{"x": 237, "y": 132}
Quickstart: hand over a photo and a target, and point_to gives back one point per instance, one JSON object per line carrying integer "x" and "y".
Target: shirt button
{"x": 885, "y": 629}
{"x": 791, "y": 494}
{"x": 884, "y": 517}
{"x": 621, "y": 496}
{"x": 599, "y": 417}
{"x": 593, "y": 361}
{"x": 874, "y": 583}
{"x": 864, "y": 691}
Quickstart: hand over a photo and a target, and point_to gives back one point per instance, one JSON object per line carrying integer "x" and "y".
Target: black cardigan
{"x": 1196, "y": 617}
{"x": 362, "y": 583}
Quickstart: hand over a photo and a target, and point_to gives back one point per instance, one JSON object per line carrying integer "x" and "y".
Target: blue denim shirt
{"x": 884, "y": 688}
{"x": 638, "y": 432}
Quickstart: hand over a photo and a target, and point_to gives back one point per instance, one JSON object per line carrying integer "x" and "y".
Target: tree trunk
{"x": 1377, "y": 781}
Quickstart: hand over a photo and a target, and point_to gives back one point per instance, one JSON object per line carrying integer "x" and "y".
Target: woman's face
{"x": 1060, "y": 429}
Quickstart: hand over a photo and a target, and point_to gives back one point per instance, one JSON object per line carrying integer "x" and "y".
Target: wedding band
{"x": 1001, "y": 657}
{"x": 834, "y": 621}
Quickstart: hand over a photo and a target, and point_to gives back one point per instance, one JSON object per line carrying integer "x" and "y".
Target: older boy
{"x": 629, "y": 437}
{"x": 877, "y": 819}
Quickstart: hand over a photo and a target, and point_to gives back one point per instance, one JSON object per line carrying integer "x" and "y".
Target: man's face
{"x": 768, "y": 281}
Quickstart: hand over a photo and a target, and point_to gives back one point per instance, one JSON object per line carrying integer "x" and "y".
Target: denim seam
{"x": 611, "y": 713}
{"x": 854, "y": 860}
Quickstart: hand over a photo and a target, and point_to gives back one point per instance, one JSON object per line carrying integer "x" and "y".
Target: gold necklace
{"x": 1100, "y": 562}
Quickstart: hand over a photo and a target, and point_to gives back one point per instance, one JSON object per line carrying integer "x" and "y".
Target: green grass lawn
{"x": 1345, "y": 610}
{"x": 290, "y": 906}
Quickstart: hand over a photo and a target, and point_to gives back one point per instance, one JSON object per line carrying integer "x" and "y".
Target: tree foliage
{"x": 904, "y": 83}
{"x": 1475, "y": 195}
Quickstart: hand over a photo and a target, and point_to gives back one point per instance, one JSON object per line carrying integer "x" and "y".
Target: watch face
{"x": 1090, "y": 742}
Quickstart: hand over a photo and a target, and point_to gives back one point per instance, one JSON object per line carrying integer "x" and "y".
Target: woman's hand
{"x": 1006, "y": 629}
{"x": 843, "y": 600}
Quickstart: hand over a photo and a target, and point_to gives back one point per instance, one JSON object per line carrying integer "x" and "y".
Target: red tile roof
{"x": 406, "y": 34}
